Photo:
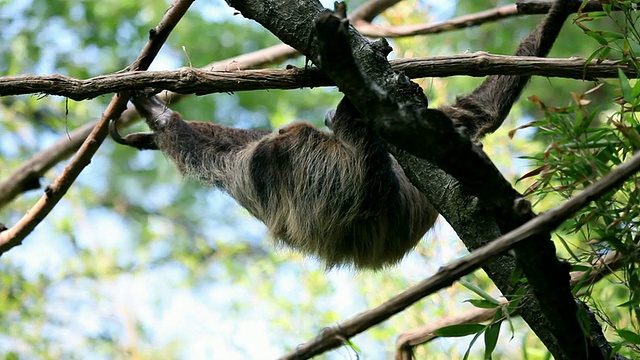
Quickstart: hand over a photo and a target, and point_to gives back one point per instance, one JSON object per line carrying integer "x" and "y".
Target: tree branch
{"x": 402, "y": 118}
{"x": 408, "y": 340}
{"x": 13, "y": 236}
{"x": 526, "y": 7}
{"x": 461, "y": 22}
{"x": 336, "y": 336}
{"x": 398, "y": 110}
{"x": 200, "y": 82}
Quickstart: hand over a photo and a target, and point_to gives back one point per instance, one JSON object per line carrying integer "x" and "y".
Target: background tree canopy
{"x": 137, "y": 262}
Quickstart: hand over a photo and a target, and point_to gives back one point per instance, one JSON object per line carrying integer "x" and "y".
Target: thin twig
{"x": 462, "y": 22}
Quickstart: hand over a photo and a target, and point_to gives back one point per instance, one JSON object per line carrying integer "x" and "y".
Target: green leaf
{"x": 636, "y": 90}
{"x": 604, "y": 54}
{"x": 355, "y": 347}
{"x": 580, "y": 283}
{"x": 512, "y": 306}
{"x": 480, "y": 292}
{"x": 625, "y": 87}
{"x": 629, "y": 336}
{"x": 516, "y": 275}
{"x": 473, "y": 341}
{"x": 597, "y": 37}
{"x": 459, "y": 330}
{"x": 612, "y": 35}
{"x": 491, "y": 339}
{"x": 484, "y": 304}
{"x": 630, "y": 303}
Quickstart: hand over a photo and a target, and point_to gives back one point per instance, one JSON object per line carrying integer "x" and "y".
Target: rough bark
{"x": 398, "y": 109}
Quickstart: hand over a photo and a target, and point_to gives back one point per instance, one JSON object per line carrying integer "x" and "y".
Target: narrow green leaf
{"x": 629, "y": 336}
{"x": 512, "y": 306}
{"x": 484, "y": 304}
{"x": 630, "y": 303}
{"x": 636, "y": 90}
{"x": 355, "y": 347}
{"x": 612, "y": 34}
{"x": 625, "y": 87}
{"x": 473, "y": 341}
{"x": 459, "y": 330}
{"x": 480, "y": 292}
{"x": 578, "y": 286}
{"x": 491, "y": 339}
{"x": 604, "y": 54}
{"x": 597, "y": 37}
{"x": 516, "y": 275}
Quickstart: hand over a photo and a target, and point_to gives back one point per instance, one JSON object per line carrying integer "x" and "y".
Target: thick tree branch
{"x": 200, "y": 82}
{"x": 13, "y": 236}
{"x": 333, "y": 337}
{"x": 398, "y": 109}
{"x": 400, "y": 114}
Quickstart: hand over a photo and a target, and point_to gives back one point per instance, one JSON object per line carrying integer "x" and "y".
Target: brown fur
{"x": 338, "y": 196}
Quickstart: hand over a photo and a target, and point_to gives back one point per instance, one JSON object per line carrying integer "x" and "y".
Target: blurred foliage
{"x": 137, "y": 262}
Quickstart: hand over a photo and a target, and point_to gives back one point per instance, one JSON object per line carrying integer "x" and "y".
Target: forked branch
{"x": 335, "y": 336}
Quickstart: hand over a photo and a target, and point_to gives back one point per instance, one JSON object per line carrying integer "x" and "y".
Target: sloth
{"x": 339, "y": 196}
